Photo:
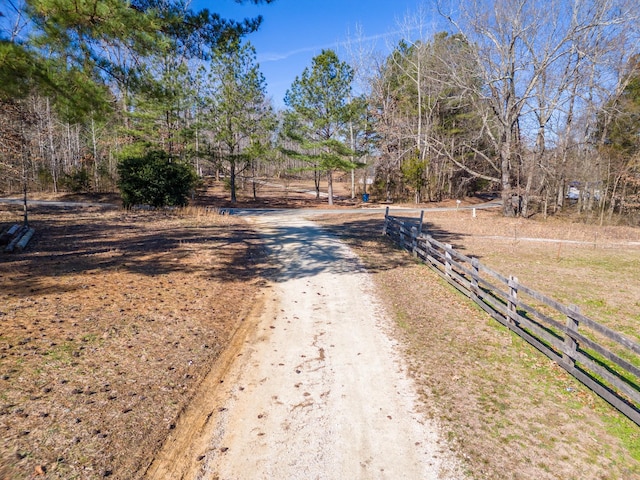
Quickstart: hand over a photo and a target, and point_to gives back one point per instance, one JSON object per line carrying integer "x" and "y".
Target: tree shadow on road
{"x": 366, "y": 235}
{"x": 298, "y": 249}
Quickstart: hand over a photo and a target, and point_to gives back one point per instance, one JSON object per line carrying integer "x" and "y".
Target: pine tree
{"x": 238, "y": 109}
{"x": 69, "y": 49}
{"x": 319, "y": 115}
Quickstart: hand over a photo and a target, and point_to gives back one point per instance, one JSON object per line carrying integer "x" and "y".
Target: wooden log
{"x": 16, "y": 238}
{"x": 21, "y": 245}
{"x": 386, "y": 221}
{"x": 618, "y": 384}
{"x": 436, "y": 264}
{"x": 512, "y": 299}
{"x": 495, "y": 291}
{"x": 474, "y": 275}
{"x": 584, "y": 321}
{"x": 449, "y": 248}
{"x": 585, "y": 343}
{"x": 8, "y": 234}
{"x": 570, "y": 347}
{"x": 494, "y": 274}
{"x": 414, "y": 241}
{"x": 541, "y": 317}
{"x": 522, "y": 322}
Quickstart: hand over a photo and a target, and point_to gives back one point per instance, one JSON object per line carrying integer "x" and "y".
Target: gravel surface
{"x": 316, "y": 389}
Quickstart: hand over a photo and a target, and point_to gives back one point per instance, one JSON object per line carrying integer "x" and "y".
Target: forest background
{"x": 537, "y": 102}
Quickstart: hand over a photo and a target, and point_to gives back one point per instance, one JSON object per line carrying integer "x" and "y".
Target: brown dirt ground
{"x": 110, "y": 320}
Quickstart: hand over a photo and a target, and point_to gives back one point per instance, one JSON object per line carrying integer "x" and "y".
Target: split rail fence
{"x": 602, "y": 359}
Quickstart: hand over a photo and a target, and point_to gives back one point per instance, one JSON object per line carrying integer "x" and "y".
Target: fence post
{"x": 386, "y": 219}
{"x": 511, "y": 301}
{"x": 447, "y": 262}
{"x": 475, "y": 274}
{"x": 570, "y": 345}
{"x": 421, "y": 219}
{"x": 414, "y": 241}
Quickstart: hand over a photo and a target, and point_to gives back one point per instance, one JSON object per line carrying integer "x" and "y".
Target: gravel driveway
{"x": 316, "y": 388}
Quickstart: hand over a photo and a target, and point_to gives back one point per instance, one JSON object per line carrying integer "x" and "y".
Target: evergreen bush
{"x": 155, "y": 179}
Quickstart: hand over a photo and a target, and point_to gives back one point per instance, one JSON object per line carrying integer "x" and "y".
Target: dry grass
{"x": 508, "y": 410}
{"x": 595, "y": 268}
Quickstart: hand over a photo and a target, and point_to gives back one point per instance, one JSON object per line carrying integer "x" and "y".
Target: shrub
{"x": 77, "y": 181}
{"x": 155, "y": 179}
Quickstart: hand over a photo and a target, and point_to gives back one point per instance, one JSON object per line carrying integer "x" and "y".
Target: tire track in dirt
{"x": 317, "y": 390}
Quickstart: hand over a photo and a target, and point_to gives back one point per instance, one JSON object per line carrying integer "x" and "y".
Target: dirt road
{"x": 313, "y": 387}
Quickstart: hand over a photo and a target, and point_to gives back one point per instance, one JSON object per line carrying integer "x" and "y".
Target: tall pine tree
{"x": 319, "y": 103}
{"x": 238, "y": 107}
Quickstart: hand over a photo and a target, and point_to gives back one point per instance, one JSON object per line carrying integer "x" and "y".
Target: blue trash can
{"x": 365, "y": 197}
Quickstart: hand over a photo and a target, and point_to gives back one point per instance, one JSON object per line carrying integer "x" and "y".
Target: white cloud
{"x": 275, "y": 56}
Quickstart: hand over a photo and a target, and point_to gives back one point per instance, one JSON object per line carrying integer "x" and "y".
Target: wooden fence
{"x": 602, "y": 359}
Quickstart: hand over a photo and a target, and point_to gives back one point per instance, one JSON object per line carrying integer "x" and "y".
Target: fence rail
{"x": 602, "y": 359}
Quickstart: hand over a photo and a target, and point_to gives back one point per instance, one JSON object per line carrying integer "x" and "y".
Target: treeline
{"x": 87, "y": 84}
{"x": 537, "y": 101}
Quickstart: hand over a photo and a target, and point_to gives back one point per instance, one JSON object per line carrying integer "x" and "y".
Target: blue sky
{"x": 294, "y": 31}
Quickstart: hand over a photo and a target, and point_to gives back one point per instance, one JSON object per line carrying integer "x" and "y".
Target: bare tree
{"x": 530, "y": 54}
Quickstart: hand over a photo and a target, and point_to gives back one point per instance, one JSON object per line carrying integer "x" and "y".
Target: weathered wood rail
{"x": 602, "y": 359}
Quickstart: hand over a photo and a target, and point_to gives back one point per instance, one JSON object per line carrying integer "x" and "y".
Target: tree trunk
{"x": 560, "y": 194}
{"x": 353, "y": 183}
{"x": 330, "y": 186}
{"x": 316, "y": 182}
{"x": 232, "y": 180}
{"x": 96, "y": 178}
{"x": 353, "y": 148}
{"x": 505, "y": 154}
{"x": 253, "y": 180}
{"x": 52, "y": 152}
{"x": 527, "y": 193}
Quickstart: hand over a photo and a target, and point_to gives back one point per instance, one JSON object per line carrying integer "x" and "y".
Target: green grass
{"x": 89, "y": 338}
{"x": 602, "y": 262}
{"x": 598, "y": 303}
{"x": 627, "y": 431}
{"x": 62, "y": 353}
